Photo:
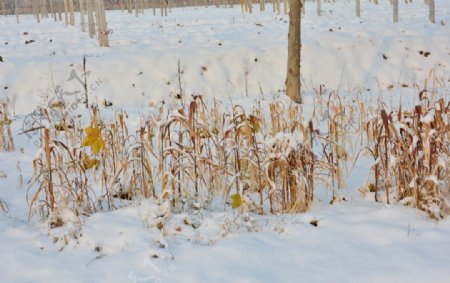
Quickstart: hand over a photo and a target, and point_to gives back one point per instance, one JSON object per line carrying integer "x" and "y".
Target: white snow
{"x": 357, "y": 240}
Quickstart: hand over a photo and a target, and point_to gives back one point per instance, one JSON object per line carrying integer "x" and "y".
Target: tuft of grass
{"x": 411, "y": 152}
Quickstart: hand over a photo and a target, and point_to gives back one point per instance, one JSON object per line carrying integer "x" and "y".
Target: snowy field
{"x": 224, "y": 56}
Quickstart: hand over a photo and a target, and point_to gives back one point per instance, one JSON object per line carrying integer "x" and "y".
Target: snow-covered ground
{"x": 223, "y": 54}
{"x": 217, "y": 47}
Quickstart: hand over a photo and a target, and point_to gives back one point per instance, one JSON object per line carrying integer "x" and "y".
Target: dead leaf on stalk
{"x": 255, "y": 123}
{"x": 89, "y": 163}
{"x": 236, "y": 201}
{"x": 94, "y": 139}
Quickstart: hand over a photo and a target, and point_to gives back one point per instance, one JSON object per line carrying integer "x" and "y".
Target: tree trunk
{"x": 82, "y": 16}
{"x": 395, "y": 12}
{"x": 52, "y": 10}
{"x": 358, "y": 8}
{"x": 36, "y": 11}
{"x": 129, "y": 6}
{"x": 90, "y": 16}
{"x": 319, "y": 8}
{"x": 136, "y": 8}
{"x": 432, "y": 11}
{"x": 16, "y": 10}
{"x": 3, "y": 7}
{"x": 102, "y": 27}
{"x": 44, "y": 11}
{"x": 293, "y": 84}
{"x": 66, "y": 16}
{"x": 72, "y": 15}
{"x": 59, "y": 6}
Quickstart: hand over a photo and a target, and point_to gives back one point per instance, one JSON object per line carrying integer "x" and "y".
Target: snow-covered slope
{"x": 224, "y": 53}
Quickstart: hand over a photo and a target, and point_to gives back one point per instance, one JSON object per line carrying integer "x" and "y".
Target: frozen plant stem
{"x": 49, "y": 168}
{"x": 86, "y": 101}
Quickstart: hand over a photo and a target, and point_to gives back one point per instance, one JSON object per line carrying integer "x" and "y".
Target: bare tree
{"x": 72, "y": 15}
{"x": 90, "y": 16}
{"x": 358, "y": 8}
{"x": 293, "y": 83}
{"x": 432, "y": 7}
{"x": 102, "y": 26}
{"x": 395, "y": 11}
{"x": 3, "y": 7}
{"x": 319, "y": 8}
{"x": 66, "y": 10}
{"x": 52, "y": 10}
{"x": 82, "y": 15}
{"x": 16, "y": 10}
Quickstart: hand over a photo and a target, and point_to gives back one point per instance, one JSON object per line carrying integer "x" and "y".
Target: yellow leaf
{"x": 94, "y": 139}
{"x": 236, "y": 201}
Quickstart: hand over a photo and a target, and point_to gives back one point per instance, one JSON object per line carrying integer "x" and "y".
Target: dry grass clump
{"x": 91, "y": 169}
{"x": 265, "y": 159}
{"x": 290, "y": 172}
{"x": 205, "y": 152}
{"x": 411, "y": 149}
{"x": 189, "y": 157}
